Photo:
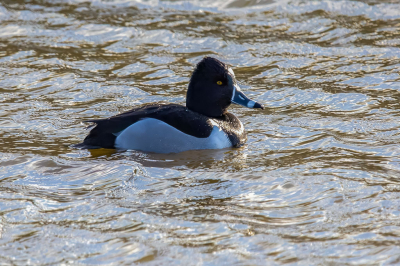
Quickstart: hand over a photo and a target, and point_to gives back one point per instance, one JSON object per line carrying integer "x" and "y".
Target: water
{"x": 317, "y": 183}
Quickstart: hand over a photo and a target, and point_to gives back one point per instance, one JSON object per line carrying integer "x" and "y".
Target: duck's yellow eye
{"x": 219, "y": 82}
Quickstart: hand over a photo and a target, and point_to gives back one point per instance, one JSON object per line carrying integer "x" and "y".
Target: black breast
{"x": 233, "y": 128}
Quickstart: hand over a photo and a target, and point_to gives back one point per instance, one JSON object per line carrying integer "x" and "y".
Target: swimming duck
{"x": 204, "y": 123}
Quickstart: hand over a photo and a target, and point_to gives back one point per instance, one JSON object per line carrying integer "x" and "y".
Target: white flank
{"x": 153, "y": 135}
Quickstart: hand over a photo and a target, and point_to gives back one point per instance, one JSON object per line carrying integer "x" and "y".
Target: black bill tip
{"x": 257, "y": 105}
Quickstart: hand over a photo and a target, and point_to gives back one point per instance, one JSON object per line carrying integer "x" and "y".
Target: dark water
{"x": 317, "y": 183}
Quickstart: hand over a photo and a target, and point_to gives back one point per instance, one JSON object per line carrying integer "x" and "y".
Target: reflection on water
{"x": 318, "y": 181}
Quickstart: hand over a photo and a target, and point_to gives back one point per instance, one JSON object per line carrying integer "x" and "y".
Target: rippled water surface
{"x": 317, "y": 183}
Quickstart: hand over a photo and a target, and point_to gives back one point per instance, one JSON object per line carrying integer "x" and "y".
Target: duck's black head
{"x": 213, "y": 87}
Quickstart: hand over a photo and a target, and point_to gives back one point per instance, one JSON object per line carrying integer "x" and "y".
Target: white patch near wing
{"x": 153, "y": 135}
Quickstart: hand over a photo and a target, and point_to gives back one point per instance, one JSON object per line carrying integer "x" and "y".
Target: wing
{"x": 104, "y": 133}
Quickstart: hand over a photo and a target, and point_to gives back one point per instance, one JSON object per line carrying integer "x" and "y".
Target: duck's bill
{"x": 238, "y": 97}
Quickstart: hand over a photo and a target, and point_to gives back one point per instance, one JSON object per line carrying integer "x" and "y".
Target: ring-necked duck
{"x": 168, "y": 128}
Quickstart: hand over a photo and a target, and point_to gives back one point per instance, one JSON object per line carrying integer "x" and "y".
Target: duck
{"x": 204, "y": 123}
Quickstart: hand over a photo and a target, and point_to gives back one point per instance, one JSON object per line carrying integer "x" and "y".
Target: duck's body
{"x": 164, "y": 128}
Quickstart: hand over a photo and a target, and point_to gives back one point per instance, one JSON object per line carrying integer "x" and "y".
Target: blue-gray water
{"x": 318, "y": 182}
